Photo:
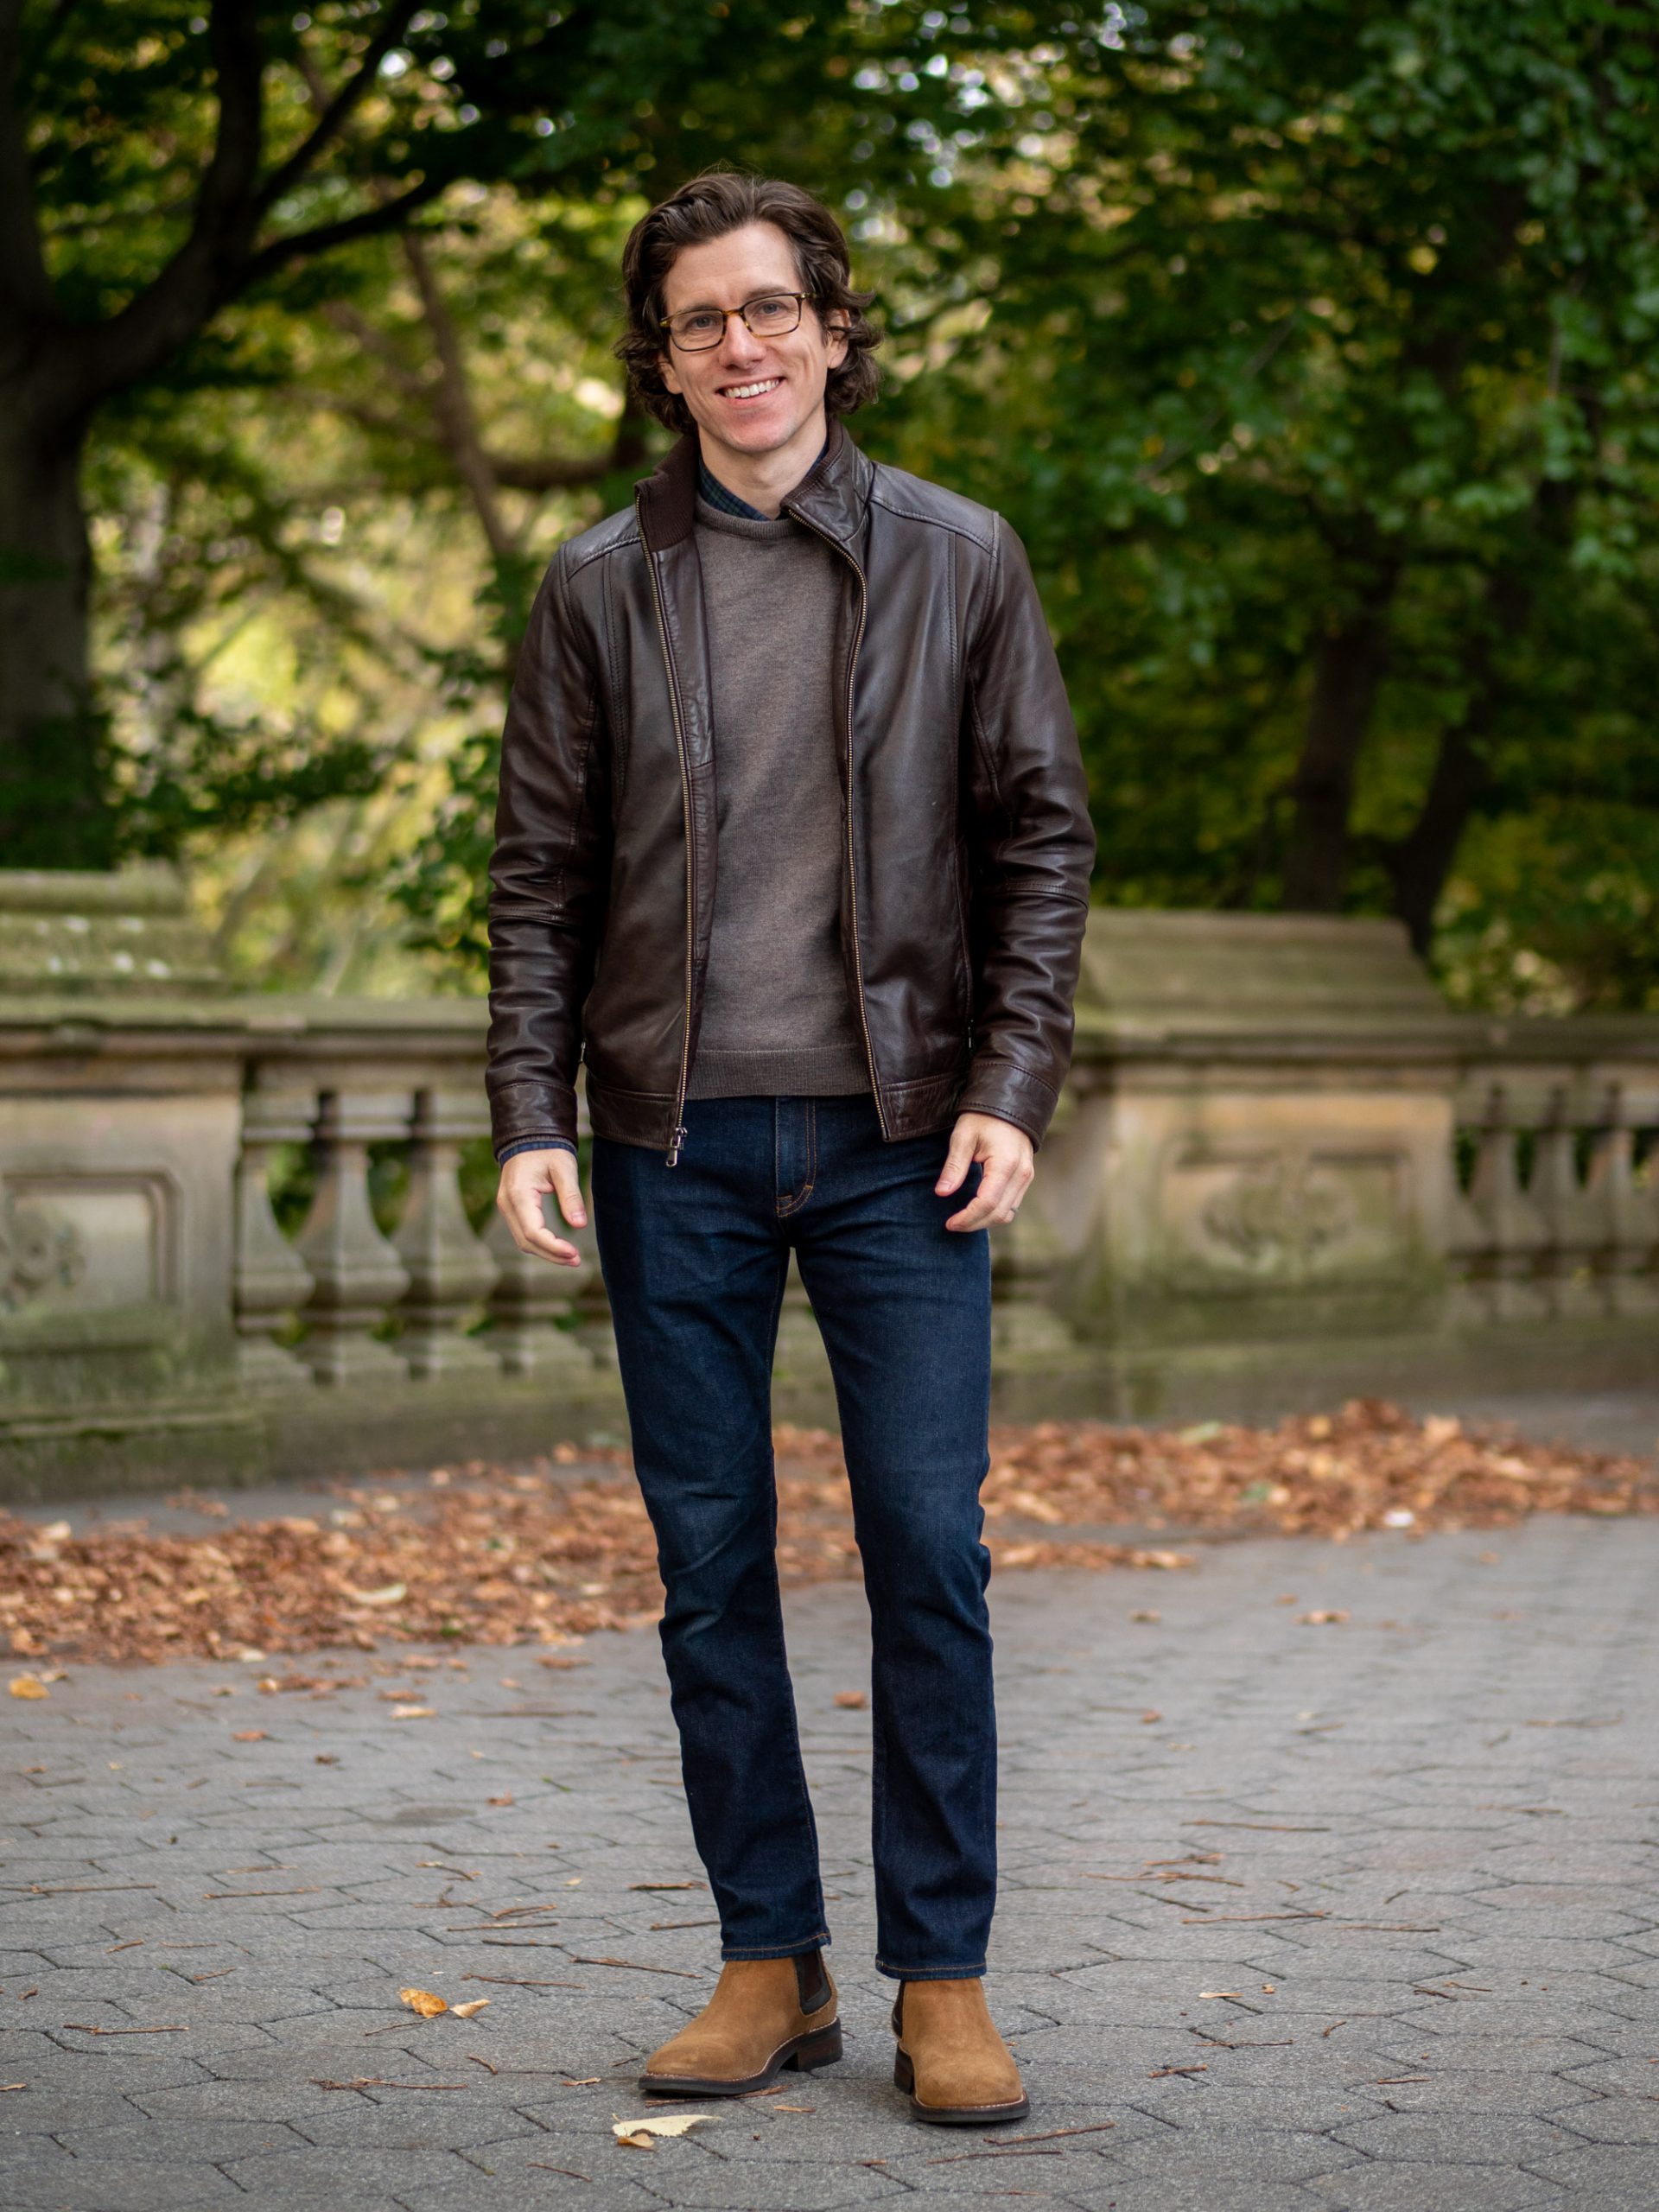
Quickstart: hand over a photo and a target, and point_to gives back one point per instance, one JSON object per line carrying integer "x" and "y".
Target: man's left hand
{"x": 1007, "y": 1165}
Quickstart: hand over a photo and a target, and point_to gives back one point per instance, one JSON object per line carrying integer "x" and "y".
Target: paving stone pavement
{"x": 1358, "y": 1915}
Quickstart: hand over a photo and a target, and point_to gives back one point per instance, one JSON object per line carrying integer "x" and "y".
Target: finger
{"x": 1003, "y": 1184}
{"x": 531, "y": 1234}
{"x": 521, "y": 1201}
{"x": 957, "y": 1160}
{"x": 566, "y": 1186}
{"x": 990, "y": 1200}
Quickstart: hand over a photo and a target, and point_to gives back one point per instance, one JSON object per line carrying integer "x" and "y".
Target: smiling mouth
{"x": 755, "y": 390}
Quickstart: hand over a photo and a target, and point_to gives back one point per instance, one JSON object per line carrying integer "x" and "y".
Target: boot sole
{"x": 821, "y": 2047}
{"x": 904, "y": 2076}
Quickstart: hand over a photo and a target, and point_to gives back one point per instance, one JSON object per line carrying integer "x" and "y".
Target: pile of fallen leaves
{"x": 1369, "y": 1467}
{"x": 485, "y": 1555}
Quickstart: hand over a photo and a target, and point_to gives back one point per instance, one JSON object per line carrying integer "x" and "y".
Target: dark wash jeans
{"x": 695, "y": 1259}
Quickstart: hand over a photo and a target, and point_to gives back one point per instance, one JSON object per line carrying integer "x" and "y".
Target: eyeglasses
{"x": 771, "y": 315}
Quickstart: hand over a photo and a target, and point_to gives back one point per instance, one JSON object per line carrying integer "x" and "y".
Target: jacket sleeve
{"x": 548, "y": 874}
{"x": 1032, "y": 848}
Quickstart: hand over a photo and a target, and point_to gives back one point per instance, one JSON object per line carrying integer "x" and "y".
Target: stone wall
{"x": 1282, "y": 1171}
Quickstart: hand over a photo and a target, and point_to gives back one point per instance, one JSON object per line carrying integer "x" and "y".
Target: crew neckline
{"x": 710, "y": 517}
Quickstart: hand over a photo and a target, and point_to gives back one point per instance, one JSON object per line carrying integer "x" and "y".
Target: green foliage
{"x": 1311, "y": 308}
{"x": 1308, "y": 343}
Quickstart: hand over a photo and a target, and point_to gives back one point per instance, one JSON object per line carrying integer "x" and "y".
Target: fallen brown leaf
{"x": 423, "y": 2001}
{"x": 641, "y": 2133}
{"x": 485, "y": 1560}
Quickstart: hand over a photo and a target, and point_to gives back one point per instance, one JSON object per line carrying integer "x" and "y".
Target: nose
{"x": 739, "y": 348}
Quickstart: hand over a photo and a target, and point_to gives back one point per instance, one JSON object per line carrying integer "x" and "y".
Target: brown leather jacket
{"x": 968, "y": 839}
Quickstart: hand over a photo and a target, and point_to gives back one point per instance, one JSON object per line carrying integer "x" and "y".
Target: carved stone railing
{"x": 1280, "y": 1161}
{"x": 429, "y": 1299}
{"x": 1556, "y": 1216}
{"x": 1276, "y": 1132}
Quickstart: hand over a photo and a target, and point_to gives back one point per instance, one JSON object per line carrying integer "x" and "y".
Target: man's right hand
{"x": 526, "y": 1180}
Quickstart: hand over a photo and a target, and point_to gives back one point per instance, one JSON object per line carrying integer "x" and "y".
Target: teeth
{"x": 749, "y": 390}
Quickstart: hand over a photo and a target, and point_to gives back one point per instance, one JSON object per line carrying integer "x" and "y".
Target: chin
{"x": 755, "y": 436}
{"x": 757, "y": 433}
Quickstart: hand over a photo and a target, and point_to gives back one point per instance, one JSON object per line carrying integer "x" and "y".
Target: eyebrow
{"x": 761, "y": 292}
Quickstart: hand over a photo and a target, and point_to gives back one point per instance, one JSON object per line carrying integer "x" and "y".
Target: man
{"x": 793, "y": 850}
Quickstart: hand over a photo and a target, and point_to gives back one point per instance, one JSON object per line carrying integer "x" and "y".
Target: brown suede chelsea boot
{"x": 959, "y": 2070}
{"x": 766, "y": 2014}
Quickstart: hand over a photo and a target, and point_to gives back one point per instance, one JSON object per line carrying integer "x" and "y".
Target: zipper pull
{"x": 677, "y": 1140}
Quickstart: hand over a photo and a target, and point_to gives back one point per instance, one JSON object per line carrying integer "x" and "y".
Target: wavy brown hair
{"x": 710, "y": 206}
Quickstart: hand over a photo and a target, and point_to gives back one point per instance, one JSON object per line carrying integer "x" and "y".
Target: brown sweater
{"x": 778, "y": 1017}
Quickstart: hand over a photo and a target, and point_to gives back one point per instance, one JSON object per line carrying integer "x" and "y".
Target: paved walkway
{"x": 1353, "y": 1916}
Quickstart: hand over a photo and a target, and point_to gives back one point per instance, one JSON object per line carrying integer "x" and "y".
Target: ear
{"x": 666, "y": 367}
{"x": 835, "y": 336}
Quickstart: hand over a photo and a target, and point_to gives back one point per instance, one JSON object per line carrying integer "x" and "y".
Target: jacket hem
{"x": 647, "y": 1117}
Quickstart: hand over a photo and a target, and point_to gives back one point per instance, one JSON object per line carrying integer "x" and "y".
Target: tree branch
{"x": 452, "y": 406}
{"x": 336, "y": 112}
{"x": 25, "y": 288}
{"x": 549, "y": 473}
{"x": 206, "y": 269}
{"x": 355, "y": 324}
{"x": 368, "y": 223}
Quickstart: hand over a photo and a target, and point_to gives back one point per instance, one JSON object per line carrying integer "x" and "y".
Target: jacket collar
{"x": 831, "y": 498}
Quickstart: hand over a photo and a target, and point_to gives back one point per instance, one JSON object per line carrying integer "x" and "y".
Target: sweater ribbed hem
{"x": 820, "y": 1071}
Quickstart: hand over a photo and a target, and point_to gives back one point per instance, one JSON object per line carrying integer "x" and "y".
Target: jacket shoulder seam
{"x": 881, "y": 496}
{"x": 575, "y": 563}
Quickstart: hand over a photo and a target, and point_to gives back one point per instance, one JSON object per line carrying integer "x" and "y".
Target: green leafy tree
{"x": 167, "y": 170}
{"x": 1317, "y": 368}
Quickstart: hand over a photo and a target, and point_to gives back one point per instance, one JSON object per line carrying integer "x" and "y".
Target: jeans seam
{"x": 798, "y": 1198}
{"x": 777, "y": 1950}
{"x": 929, "y": 1974}
{"x": 804, "y": 1794}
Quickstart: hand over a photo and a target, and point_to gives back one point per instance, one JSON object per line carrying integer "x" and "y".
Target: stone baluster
{"x": 531, "y": 1299}
{"x": 451, "y": 1271}
{"x": 271, "y": 1280}
{"x": 1500, "y": 1237}
{"x": 1572, "y": 1215}
{"x": 1628, "y": 1258}
{"x": 356, "y": 1273}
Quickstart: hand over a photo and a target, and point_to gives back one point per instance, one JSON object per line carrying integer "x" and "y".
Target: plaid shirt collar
{"x": 709, "y": 487}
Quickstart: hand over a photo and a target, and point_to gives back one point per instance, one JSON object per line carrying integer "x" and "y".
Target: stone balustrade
{"x": 1556, "y": 1214}
{"x": 345, "y": 1303}
{"x": 1282, "y": 1169}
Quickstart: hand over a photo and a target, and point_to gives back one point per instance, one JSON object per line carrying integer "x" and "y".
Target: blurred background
{"x": 1308, "y": 344}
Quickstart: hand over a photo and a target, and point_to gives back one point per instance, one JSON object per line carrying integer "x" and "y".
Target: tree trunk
{"x": 53, "y": 812}
{"x": 1347, "y": 673}
{"x": 1420, "y": 862}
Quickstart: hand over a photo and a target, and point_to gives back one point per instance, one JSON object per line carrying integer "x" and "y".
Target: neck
{"x": 765, "y": 480}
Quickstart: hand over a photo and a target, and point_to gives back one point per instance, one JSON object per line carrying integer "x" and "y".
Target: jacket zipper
{"x": 852, "y": 858}
{"x": 676, "y": 1138}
